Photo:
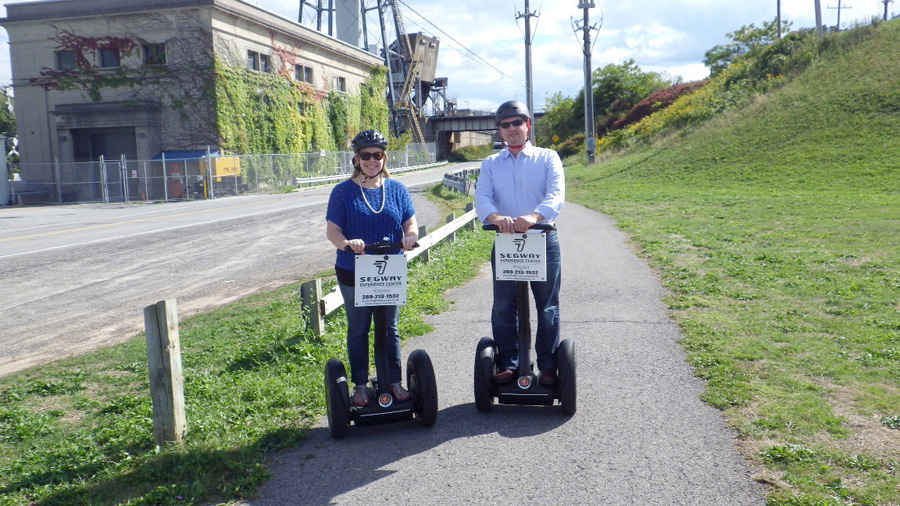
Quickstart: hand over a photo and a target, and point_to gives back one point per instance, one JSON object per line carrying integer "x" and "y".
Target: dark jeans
{"x": 359, "y": 320}
{"x": 505, "y": 318}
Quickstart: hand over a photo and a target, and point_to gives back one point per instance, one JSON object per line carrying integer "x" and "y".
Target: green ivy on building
{"x": 267, "y": 113}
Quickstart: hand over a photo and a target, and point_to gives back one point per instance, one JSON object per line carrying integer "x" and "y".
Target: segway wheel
{"x": 568, "y": 392}
{"x": 421, "y": 381}
{"x": 337, "y": 398}
{"x": 483, "y": 379}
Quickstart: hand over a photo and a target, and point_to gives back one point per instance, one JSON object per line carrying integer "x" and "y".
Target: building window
{"x": 340, "y": 83}
{"x": 304, "y": 74}
{"x": 252, "y": 60}
{"x": 65, "y": 60}
{"x": 265, "y": 64}
{"x": 154, "y": 54}
{"x": 109, "y": 57}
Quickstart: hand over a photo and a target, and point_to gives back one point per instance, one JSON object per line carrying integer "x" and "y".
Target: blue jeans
{"x": 359, "y": 320}
{"x": 505, "y": 318}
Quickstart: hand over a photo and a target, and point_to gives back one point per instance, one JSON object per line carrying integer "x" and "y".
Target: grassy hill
{"x": 776, "y": 229}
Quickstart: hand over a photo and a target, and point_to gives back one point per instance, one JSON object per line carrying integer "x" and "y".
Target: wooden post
{"x": 423, "y": 231}
{"x": 452, "y": 236}
{"x": 166, "y": 377}
{"x": 472, "y": 224}
{"x": 311, "y": 293}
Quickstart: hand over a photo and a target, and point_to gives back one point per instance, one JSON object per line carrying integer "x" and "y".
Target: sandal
{"x": 400, "y": 394}
{"x": 504, "y": 377}
{"x": 360, "y": 396}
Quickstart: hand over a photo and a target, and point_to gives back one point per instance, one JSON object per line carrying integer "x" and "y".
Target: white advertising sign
{"x": 380, "y": 280}
{"x": 521, "y": 257}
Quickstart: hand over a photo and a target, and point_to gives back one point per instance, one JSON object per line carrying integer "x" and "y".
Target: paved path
{"x": 641, "y": 435}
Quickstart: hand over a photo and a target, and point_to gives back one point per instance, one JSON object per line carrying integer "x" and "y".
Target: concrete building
{"x": 137, "y": 77}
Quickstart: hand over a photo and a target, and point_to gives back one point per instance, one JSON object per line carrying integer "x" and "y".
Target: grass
{"x": 774, "y": 229}
{"x": 80, "y": 432}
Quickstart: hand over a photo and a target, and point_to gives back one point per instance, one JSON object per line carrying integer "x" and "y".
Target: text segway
{"x": 524, "y": 266}
{"x": 381, "y": 288}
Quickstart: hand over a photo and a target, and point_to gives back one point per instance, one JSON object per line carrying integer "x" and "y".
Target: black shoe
{"x": 548, "y": 378}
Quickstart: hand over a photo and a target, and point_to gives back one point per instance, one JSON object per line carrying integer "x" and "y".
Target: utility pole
{"x": 778, "y": 18}
{"x": 528, "y": 89}
{"x": 886, "y": 3}
{"x": 839, "y": 8}
{"x": 590, "y": 137}
{"x": 819, "y": 18}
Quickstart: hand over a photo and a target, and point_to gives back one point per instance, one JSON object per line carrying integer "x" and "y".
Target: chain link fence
{"x": 190, "y": 177}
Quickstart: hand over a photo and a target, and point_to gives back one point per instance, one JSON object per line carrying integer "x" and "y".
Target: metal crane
{"x": 403, "y": 59}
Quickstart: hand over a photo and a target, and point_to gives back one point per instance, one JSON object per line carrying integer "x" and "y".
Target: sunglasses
{"x": 514, "y": 123}
{"x": 378, "y": 155}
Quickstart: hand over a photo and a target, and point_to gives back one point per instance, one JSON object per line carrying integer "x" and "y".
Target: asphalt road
{"x": 75, "y": 278}
{"x": 641, "y": 435}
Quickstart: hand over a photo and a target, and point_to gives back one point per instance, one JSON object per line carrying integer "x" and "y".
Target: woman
{"x": 369, "y": 207}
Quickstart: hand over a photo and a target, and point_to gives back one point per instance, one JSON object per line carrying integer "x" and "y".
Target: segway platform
{"x": 382, "y": 407}
{"x": 526, "y": 387}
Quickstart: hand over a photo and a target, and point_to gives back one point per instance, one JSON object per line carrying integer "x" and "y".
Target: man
{"x": 518, "y": 187}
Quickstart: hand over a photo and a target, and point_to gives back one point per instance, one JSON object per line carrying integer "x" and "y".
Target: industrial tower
{"x": 411, "y": 59}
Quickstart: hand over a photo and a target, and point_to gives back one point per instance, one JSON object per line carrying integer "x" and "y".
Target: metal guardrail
{"x": 300, "y": 181}
{"x": 460, "y": 181}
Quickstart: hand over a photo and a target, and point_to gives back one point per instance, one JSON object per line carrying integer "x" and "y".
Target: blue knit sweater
{"x": 347, "y": 210}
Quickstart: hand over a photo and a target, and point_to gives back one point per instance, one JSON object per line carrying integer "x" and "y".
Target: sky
{"x": 482, "y": 44}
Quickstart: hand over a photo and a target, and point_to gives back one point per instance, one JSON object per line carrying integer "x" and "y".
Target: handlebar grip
{"x": 381, "y": 246}
{"x": 537, "y": 226}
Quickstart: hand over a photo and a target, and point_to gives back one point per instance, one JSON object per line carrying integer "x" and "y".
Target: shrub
{"x": 656, "y": 101}
{"x": 571, "y": 146}
{"x": 470, "y": 153}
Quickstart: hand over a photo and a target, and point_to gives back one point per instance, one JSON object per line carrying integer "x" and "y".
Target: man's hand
{"x": 523, "y": 223}
{"x": 505, "y": 224}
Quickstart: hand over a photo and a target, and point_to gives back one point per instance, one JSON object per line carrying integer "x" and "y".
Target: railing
{"x": 460, "y": 182}
{"x": 164, "y": 342}
{"x": 317, "y": 306}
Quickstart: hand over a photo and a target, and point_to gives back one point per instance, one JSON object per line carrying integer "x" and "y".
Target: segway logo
{"x": 524, "y": 382}
{"x": 520, "y": 244}
{"x": 385, "y": 400}
{"x": 381, "y": 265}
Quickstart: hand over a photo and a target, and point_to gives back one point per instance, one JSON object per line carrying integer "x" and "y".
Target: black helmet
{"x": 369, "y": 139}
{"x": 510, "y": 109}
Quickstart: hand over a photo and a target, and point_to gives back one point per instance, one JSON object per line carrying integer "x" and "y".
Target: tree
{"x": 561, "y": 118}
{"x": 617, "y": 88}
{"x": 745, "y": 40}
{"x": 7, "y": 114}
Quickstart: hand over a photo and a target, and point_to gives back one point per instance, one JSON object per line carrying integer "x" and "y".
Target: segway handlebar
{"x": 381, "y": 247}
{"x": 547, "y": 227}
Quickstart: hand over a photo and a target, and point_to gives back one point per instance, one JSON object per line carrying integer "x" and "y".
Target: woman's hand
{"x": 409, "y": 241}
{"x": 357, "y": 245}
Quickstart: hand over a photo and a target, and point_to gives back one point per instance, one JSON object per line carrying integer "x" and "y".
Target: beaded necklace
{"x": 363, "y": 192}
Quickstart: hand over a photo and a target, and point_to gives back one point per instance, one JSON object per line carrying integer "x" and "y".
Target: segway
{"x": 527, "y": 388}
{"x": 382, "y": 407}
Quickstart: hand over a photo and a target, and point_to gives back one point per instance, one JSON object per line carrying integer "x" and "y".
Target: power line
{"x": 479, "y": 58}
